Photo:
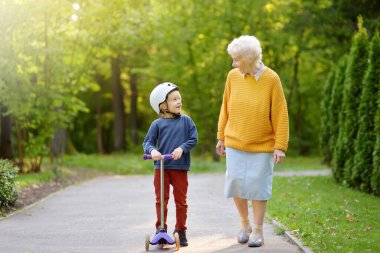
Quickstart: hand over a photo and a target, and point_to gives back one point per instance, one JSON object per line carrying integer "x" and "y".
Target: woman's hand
{"x": 278, "y": 156}
{"x": 177, "y": 153}
{"x": 220, "y": 148}
{"x": 156, "y": 155}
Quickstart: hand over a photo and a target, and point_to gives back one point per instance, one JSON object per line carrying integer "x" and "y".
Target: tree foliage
{"x": 57, "y": 64}
{"x": 364, "y": 142}
{"x": 334, "y": 109}
{"x": 356, "y": 152}
{"x": 327, "y": 121}
{"x": 356, "y": 67}
{"x": 375, "y": 177}
{"x": 8, "y": 189}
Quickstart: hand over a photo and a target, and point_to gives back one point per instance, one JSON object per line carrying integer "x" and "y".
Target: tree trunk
{"x": 6, "y": 151}
{"x": 118, "y": 105}
{"x": 295, "y": 81}
{"x": 133, "y": 115}
{"x": 21, "y": 137}
{"x": 58, "y": 143}
{"x": 99, "y": 128}
{"x": 303, "y": 148}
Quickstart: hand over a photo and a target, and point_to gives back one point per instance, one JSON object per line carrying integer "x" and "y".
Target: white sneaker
{"x": 257, "y": 240}
{"x": 244, "y": 235}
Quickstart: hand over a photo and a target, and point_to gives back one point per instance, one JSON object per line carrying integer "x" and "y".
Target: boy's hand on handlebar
{"x": 177, "y": 153}
{"x": 156, "y": 155}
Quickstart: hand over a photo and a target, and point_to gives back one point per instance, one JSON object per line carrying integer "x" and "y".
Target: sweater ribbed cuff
{"x": 220, "y": 136}
{"x": 281, "y": 146}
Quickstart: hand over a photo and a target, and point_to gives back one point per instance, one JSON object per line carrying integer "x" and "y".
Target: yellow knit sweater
{"x": 254, "y": 114}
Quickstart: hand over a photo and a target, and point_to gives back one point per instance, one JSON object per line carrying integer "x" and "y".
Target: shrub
{"x": 8, "y": 191}
{"x": 364, "y": 143}
{"x": 334, "y": 110}
{"x": 375, "y": 178}
{"x": 356, "y": 68}
{"x": 325, "y": 135}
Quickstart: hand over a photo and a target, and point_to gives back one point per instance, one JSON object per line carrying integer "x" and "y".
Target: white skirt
{"x": 249, "y": 175}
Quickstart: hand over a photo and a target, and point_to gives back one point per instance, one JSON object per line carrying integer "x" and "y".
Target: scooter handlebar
{"x": 165, "y": 157}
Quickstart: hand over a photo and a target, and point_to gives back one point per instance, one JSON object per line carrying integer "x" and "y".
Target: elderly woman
{"x": 253, "y": 133}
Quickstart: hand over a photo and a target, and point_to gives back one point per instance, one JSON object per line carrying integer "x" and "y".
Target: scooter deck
{"x": 162, "y": 238}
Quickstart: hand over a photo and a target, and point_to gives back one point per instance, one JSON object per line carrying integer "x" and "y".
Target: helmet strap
{"x": 165, "y": 113}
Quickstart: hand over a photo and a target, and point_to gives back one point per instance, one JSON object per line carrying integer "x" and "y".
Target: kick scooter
{"x": 161, "y": 238}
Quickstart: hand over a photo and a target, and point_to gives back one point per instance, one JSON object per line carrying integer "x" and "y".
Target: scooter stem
{"x": 162, "y": 192}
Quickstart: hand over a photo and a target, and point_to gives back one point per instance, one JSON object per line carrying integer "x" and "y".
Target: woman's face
{"x": 235, "y": 62}
{"x": 238, "y": 62}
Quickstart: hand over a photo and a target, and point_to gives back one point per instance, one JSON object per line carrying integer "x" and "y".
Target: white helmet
{"x": 158, "y": 95}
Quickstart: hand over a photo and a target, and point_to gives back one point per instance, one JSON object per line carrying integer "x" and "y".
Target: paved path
{"x": 290, "y": 173}
{"x": 113, "y": 215}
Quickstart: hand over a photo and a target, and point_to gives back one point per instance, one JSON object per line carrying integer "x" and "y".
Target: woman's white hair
{"x": 246, "y": 47}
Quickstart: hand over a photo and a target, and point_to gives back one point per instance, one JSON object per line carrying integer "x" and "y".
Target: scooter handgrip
{"x": 168, "y": 157}
{"x": 165, "y": 157}
{"x": 146, "y": 157}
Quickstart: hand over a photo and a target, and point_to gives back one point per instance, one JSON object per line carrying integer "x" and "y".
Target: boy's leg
{"x": 180, "y": 185}
{"x": 158, "y": 196}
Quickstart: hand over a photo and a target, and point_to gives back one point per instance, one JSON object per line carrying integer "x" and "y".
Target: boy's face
{"x": 174, "y": 102}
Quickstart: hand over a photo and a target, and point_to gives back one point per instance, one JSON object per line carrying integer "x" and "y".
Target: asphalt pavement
{"x": 114, "y": 214}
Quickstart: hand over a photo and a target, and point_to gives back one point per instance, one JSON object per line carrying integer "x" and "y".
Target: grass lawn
{"x": 34, "y": 178}
{"x": 327, "y": 217}
{"x": 127, "y": 164}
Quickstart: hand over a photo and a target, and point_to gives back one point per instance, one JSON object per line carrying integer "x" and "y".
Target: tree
{"x": 6, "y": 151}
{"x": 326, "y": 120}
{"x": 335, "y": 109}
{"x": 375, "y": 177}
{"x": 364, "y": 142}
{"x": 357, "y": 65}
{"x": 41, "y": 89}
{"x": 118, "y": 105}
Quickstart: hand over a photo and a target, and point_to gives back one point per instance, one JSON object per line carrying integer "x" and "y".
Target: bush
{"x": 335, "y": 109}
{"x": 355, "y": 71}
{"x": 364, "y": 143}
{"x": 8, "y": 191}
{"x": 324, "y": 138}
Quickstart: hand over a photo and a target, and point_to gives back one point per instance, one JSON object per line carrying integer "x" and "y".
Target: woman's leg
{"x": 245, "y": 231}
{"x": 242, "y": 207}
{"x": 259, "y": 207}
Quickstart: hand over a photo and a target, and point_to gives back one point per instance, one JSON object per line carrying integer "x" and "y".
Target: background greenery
{"x": 77, "y": 75}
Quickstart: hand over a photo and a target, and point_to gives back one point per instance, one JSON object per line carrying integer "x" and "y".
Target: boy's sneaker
{"x": 159, "y": 230}
{"x": 182, "y": 237}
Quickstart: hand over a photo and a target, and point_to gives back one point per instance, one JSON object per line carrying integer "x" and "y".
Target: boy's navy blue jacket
{"x": 165, "y": 135}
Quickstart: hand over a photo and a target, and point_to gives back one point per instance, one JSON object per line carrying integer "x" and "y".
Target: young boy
{"x": 174, "y": 134}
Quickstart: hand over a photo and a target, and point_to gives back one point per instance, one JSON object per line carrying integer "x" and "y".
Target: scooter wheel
{"x": 147, "y": 242}
{"x": 176, "y": 238}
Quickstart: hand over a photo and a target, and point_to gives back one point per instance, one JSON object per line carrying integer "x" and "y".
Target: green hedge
{"x": 8, "y": 191}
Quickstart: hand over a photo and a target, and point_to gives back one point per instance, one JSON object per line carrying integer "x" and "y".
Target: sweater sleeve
{"x": 279, "y": 116}
{"x": 151, "y": 138}
{"x": 192, "y": 139}
{"x": 223, "y": 115}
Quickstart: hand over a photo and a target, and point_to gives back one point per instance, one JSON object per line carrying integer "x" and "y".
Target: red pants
{"x": 178, "y": 179}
